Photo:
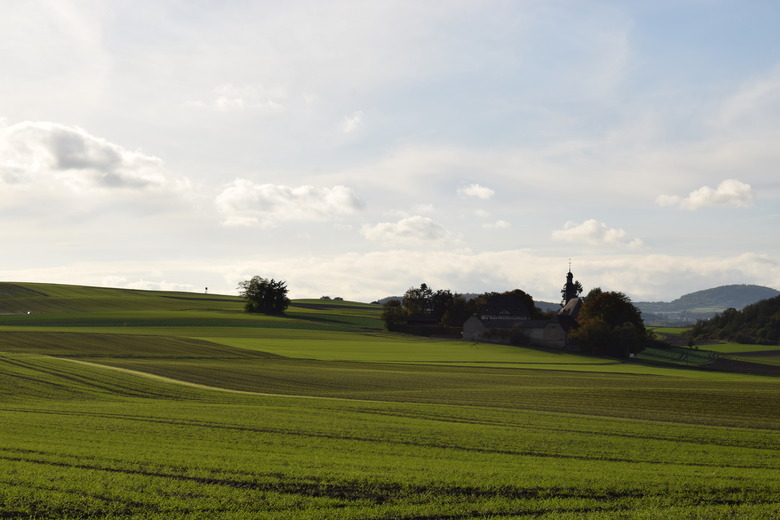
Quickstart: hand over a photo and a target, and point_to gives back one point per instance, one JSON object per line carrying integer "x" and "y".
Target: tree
{"x": 610, "y": 324}
{"x": 528, "y": 301}
{"x": 418, "y": 301}
{"x": 576, "y": 290}
{"x": 263, "y": 295}
{"x": 441, "y": 301}
{"x": 424, "y": 305}
{"x": 393, "y": 313}
{"x": 457, "y": 312}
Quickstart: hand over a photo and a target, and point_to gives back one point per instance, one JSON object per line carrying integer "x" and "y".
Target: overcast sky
{"x": 357, "y": 148}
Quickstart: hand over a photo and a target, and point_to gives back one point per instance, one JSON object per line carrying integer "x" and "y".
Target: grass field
{"x": 133, "y": 404}
{"x": 708, "y": 353}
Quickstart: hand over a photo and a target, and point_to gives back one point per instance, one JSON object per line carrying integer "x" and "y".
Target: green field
{"x": 135, "y": 404}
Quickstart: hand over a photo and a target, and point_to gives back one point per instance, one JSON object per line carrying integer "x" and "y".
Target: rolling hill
{"x": 704, "y": 304}
{"x": 147, "y": 404}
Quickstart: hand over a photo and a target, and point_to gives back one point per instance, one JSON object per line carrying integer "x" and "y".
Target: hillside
{"x": 704, "y": 304}
{"x": 718, "y": 299}
{"x": 756, "y": 323}
{"x": 55, "y": 305}
{"x": 170, "y": 405}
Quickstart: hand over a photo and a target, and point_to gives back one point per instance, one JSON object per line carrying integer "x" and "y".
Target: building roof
{"x": 568, "y": 314}
{"x": 572, "y": 308}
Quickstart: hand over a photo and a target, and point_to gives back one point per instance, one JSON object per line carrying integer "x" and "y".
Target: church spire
{"x": 571, "y": 289}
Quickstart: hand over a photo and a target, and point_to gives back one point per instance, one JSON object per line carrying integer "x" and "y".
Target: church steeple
{"x": 572, "y": 289}
{"x": 570, "y": 292}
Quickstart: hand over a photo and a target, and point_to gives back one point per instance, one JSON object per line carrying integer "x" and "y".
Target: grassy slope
{"x": 704, "y": 354}
{"x": 443, "y": 428}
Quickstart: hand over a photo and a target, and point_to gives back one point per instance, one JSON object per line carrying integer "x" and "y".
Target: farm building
{"x": 506, "y": 319}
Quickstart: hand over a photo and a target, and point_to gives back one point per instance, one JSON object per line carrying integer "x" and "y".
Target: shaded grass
{"x": 761, "y": 358}
{"x": 671, "y": 331}
{"x": 737, "y": 348}
{"x": 649, "y": 397}
{"x": 74, "y": 344}
{"x": 683, "y": 356}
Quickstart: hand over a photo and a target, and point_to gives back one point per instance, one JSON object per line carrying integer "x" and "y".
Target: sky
{"x": 356, "y": 149}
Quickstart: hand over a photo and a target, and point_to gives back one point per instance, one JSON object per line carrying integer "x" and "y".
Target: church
{"x": 506, "y": 319}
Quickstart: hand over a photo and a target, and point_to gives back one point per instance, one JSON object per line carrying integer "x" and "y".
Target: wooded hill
{"x": 701, "y": 305}
{"x": 756, "y": 323}
{"x": 717, "y": 299}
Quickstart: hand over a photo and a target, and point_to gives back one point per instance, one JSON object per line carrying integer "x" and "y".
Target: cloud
{"x": 498, "y": 224}
{"x": 373, "y": 275}
{"x": 416, "y": 229}
{"x": 145, "y": 285}
{"x": 730, "y": 192}
{"x": 54, "y": 156}
{"x": 595, "y": 233}
{"x": 424, "y": 208}
{"x": 353, "y": 123}
{"x": 477, "y": 191}
{"x": 244, "y": 203}
{"x": 229, "y": 97}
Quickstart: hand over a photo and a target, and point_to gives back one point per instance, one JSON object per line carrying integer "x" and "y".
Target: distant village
{"x": 510, "y": 317}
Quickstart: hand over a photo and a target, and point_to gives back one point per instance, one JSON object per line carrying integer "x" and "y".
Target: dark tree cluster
{"x": 264, "y": 296}
{"x": 609, "y": 324}
{"x": 444, "y": 308}
{"x": 424, "y": 305}
{"x": 576, "y": 290}
{"x": 756, "y": 323}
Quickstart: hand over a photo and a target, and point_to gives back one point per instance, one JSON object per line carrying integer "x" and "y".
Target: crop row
{"x": 271, "y": 457}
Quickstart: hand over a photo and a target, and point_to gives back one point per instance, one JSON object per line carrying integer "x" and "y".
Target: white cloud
{"x": 498, "y": 224}
{"x": 146, "y": 285}
{"x": 730, "y": 192}
{"x": 244, "y": 203}
{"x": 353, "y": 123}
{"x": 368, "y": 276}
{"x": 477, "y": 191}
{"x": 595, "y": 233}
{"x": 424, "y": 208}
{"x": 416, "y": 229}
{"x": 373, "y": 275}
{"x": 229, "y": 97}
{"x": 49, "y": 155}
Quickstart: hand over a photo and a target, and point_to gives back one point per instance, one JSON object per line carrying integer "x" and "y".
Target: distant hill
{"x": 689, "y": 308}
{"x": 718, "y": 298}
{"x": 37, "y": 298}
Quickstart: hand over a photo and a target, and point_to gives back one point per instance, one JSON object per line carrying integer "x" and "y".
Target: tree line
{"x": 443, "y": 307}
{"x": 608, "y": 323}
{"x": 757, "y": 323}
